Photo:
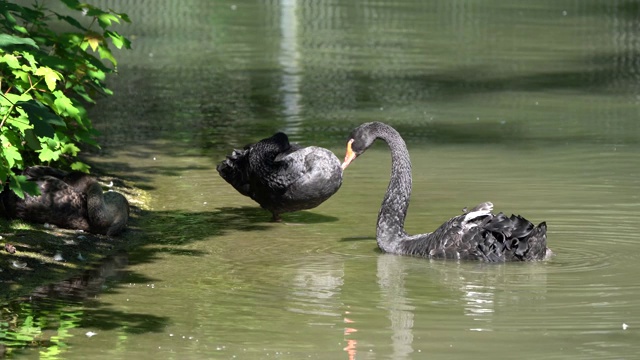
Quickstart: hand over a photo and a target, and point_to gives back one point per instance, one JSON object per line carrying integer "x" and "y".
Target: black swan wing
{"x": 487, "y": 237}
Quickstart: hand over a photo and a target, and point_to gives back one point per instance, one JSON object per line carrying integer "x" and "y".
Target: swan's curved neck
{"x": 390, "y": 229}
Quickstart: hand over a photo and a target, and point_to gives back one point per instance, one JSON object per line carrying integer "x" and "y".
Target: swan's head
{"x": 360, "y": 139}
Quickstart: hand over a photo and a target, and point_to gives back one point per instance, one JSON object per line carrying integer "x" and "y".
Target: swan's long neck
{"x": 390, "y": 229}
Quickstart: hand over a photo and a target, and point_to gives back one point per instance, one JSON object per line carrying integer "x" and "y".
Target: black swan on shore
{"x": 478, "y": 234}
{"x": 71, "y": 200}
{"x": 282, "y": 177}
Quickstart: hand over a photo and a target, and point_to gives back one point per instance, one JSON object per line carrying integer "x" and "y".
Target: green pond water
{"x": 531, "y": 105}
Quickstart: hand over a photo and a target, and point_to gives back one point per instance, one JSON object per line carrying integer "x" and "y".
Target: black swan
{"x": 71, "y": 200}
{"x": 478, "y": 234}
{"x": 282, "y": 177}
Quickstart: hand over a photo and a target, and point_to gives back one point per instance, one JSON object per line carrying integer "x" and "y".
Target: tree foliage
{"x": 46, "y": 79}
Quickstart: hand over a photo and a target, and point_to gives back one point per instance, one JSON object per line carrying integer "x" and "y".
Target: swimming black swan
{"x": 283, "y": 177}
{"x": 71, "y": 200}
{"x": 477, "y": 234}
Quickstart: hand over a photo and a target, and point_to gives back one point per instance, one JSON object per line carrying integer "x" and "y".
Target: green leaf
{"x": 10, "y": 99}
{"x": 14, "y": 185}
{"x": 87, "y": 137}
{"x": 46, "y": 154}
{"x": 31, "y": 140}
{"x": 31, "y": 187}
{"x": 105, "y": 19}
{"x": 20, "y": 185}
{"x": 10, "y": 60}
{"x": 21, "y": 123}
{"x": 82, "y": 92}
{"x": 124, "y": 17}
{"x": 60, "y": 64}
{"x": 71, "y": 149}
{"x": 80, "y": 166}
{"x": 72, "y": 4}
{"x": 9, "y": 40}
{"x": 65, "y": 106}
{"x": 117, "y": 39}
{"x": 4, "y": 174}
{"x": 105, "y": 53}
{"x": 10, "y": 138}
{"x": 50, "y": 76}
{"x": 41, "y": 118}
{"x": 71, "y": 21}
{"x": 12, "y": 155}
{"x": 31, "y": 59}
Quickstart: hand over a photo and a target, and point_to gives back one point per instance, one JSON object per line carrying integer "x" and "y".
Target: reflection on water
{"x": 87, "y": 284}
{"x": 475, "y": 286}
{"x": 391, "y": 279}
{"x": 289, "y": 61}
{"x": 316, "y": 288}
{"x": 531, "y": 106}
{"x": 45, "y": 320}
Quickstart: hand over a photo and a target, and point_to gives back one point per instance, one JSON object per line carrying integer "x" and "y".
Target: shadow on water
{"x": 182, "y": 227}
{"x": 45, "y": 318}
{"x": 42, "y": 320}
{"x": 594, "y": 74}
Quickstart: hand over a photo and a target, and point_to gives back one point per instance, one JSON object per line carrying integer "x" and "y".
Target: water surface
{"x": 531, "y": 106}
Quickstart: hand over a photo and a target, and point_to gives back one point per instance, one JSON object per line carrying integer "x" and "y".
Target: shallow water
{"x": 533, "y": 107}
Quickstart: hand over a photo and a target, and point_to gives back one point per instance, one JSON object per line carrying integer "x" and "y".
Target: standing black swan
{"x": 477, "y": 234}
{"x": 71, "y": 200}
{"x": 283, "y": 177}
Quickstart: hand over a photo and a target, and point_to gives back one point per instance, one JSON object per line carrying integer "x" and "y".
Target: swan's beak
{"x": 349, "y": 156}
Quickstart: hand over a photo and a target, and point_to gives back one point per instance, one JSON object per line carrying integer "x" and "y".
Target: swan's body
{"x": 283, "y": 177}
{"x": 69, "y": 200}
{"x": 475, "y": 235}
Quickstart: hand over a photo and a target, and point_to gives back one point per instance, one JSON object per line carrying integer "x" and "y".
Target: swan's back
{"x": 313, "y": 174}
{"x": 58, "y": 203}
{"x": 482, "y": 236}
{"x": 283, "y": 177}
{"x": 71, "y": 200}
{"x": 244, "y": 166}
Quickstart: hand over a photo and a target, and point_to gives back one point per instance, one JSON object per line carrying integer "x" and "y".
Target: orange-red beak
{"x": 349, "y": 156}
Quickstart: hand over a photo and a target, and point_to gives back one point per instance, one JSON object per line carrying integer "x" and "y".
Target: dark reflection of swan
{"x": 476, "y": 235}
{"x": 87, "y": 284}
{"x": 478, "y": 289}
{"x": 283, "y": 177}
{"x": 71, "y": 200}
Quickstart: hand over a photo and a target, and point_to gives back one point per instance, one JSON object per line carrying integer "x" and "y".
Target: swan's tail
{"x": 537, "y": 243}
{"x": 234, "y": 170}
{"x": 514, "y": 238}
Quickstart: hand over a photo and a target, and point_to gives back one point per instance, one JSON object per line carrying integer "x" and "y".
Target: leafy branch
{"x": 47, "y": 78}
